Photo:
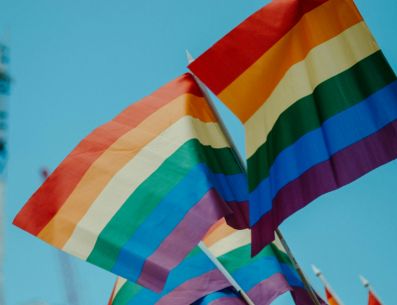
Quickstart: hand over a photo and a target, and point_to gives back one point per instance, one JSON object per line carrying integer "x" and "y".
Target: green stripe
{"x": 241, "y": 257}
{"x": 144, "y": 200}
{"x": 329, "y": 98}
{"x": 126, "y": 293}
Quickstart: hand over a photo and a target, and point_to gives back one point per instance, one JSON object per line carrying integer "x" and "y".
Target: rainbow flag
{"x": 317, "y": 98}
{"x": 139, "y": 193}
{"x": 263, "y": 277}
{"x": 193, "y": 279}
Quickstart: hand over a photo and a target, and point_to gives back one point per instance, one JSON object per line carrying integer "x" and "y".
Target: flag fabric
{"x": 372, "y": 299}
{"x": 139, "y": 193}
{"x": 330, "y": 298}
{"x": 193, "y": 279}
{"x": 264, "y": 277}
{"x": 317, "y": 98}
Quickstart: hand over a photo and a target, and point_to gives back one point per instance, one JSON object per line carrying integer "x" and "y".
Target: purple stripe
{"x": 344, "y": 167}
{"x": 190, "y": 231}
{"x": 239, "y": 219}
{"x": 268, "y": 290}
{"x": 301, "y": 297}
{"x": 196, "y": 288}
{"x": 228, "y": 301}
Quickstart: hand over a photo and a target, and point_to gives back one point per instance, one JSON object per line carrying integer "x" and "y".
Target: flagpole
{"x": 367, "y": 285}
{"x": 226, "y": 273}
{"x": 324, "y": 281}
{"x": 243, "y": 165}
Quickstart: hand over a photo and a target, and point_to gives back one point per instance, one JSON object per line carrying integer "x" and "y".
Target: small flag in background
{"x": 317, "y": 98}
{"x": 139, "y": 193}
{"x": 330, "y": 298}
{"x": 372, "y": 299}
{"x": 193, "y": 279}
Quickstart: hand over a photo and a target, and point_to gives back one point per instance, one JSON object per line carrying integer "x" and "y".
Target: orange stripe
{"x": 251, "y": 89}
{"x": 47, "y": 201}
{"x": 59, "y": 229}
{"x": 217, "y": 232}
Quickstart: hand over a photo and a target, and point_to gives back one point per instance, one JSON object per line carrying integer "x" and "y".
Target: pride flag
{"x": 195, "y": 278}
{"x": 263, "y": 278}
{"x": 317, "y": 98}
{"x": 139, "y": 193}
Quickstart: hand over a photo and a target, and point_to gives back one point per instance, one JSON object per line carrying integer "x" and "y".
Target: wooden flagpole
{"x": 324, "y": 281}
{"x": 242, "y": 163}
{"x": 367, "y": 285}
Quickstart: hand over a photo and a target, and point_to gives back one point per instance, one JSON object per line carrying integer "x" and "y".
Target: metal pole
{"x": 226, "y": 273}
{"x": 243, "y": 165}
{"x": 324, "y": 281}
{"x": 367, "y": 285}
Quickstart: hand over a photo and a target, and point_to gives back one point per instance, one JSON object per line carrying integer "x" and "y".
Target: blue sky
{"x": 76, "y": 64}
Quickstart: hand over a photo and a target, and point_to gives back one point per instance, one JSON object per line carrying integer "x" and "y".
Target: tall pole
{"x": 4, "y": 92}
{"x": 367, "y": 285}
{"x": 324, "y": 281}
{"x": 243, "y": 166}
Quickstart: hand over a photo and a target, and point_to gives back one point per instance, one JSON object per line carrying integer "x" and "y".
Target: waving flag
{"x": 193, "y": 279}
{"x": 330, "y": 298}
{"x": 372, "y": 299}
{"x": 138, "y": 194}
{"x": 264, "y": 277}
{"x": 317, "y": 98}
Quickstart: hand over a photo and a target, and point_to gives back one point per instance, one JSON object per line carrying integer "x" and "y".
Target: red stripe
{"x": 241, "y": 47}
{"x": 342, "y": 168}
{"x": 50, "y": 197}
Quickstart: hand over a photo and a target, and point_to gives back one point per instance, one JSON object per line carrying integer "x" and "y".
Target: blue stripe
{"x": 191, "y": 267}
{"x": 225, "y": 293}
{"x": 337, "y": 133}
{"x": 169, "y": 213}
{"x": 252, "y": 274}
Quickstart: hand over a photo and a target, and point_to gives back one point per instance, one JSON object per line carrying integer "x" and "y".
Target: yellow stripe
{"x": 136, "y": 171}
{"x": 323, "y": 62}
{"x": 248, "y": 92}
{"x": 61, "y": 226}
{"x": 233, "y": 241}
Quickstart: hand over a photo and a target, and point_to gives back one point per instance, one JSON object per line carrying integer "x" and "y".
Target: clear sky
{"x": 76, "y": 64}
